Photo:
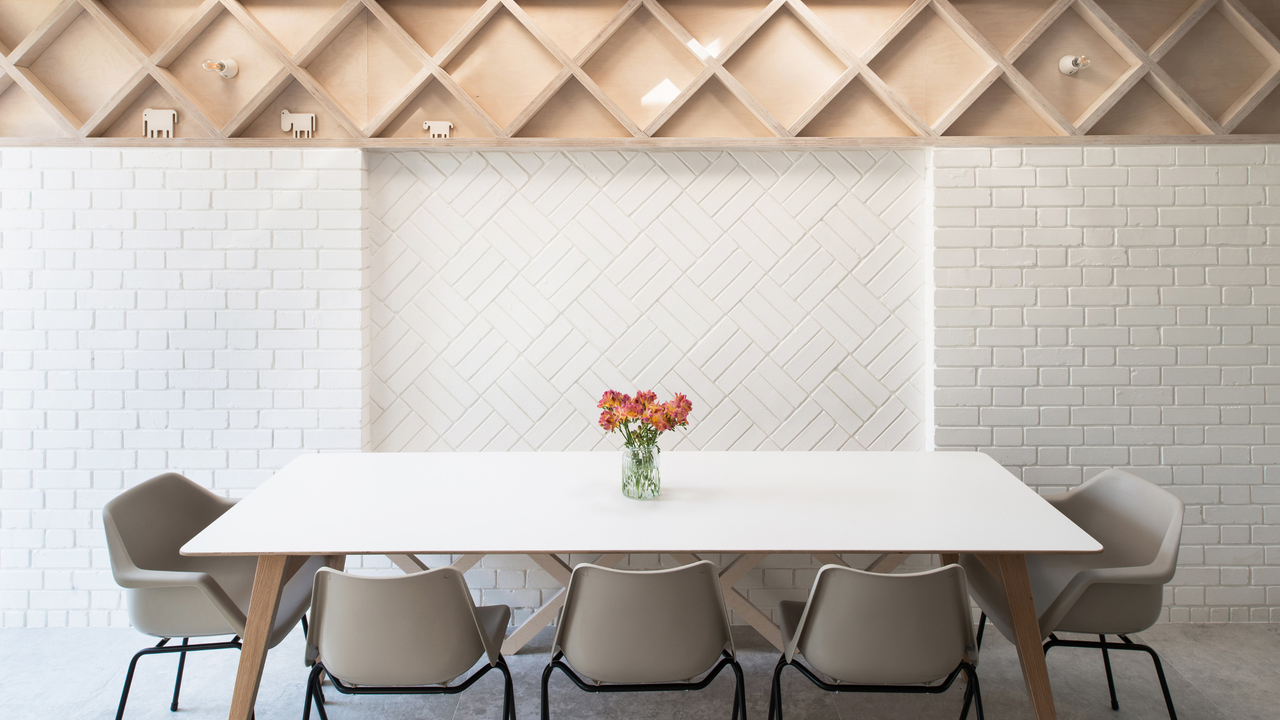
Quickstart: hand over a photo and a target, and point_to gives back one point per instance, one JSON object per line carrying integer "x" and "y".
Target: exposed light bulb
{"x": 1072, "y": 64}
{"x": 225, "y": 68}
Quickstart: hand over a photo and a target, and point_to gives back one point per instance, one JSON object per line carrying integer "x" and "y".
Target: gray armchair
{"x": 646, "y": 631}
{"x": 1116, "y": 592}
{"x": 874, "y": 632}
{"x": 408, "y": 634}
{"x": 173, "y": 596}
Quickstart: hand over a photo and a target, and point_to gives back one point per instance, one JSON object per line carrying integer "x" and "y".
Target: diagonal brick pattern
{"x": 783, "y": 291}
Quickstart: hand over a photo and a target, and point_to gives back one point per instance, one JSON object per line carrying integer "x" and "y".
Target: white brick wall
{"x": 193, "y": 310}
{"x": 202, "y": 310}
{"x": 1120, "y": 307}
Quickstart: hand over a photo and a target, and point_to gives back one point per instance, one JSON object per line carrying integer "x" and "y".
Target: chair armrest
{"x": 137, "y": 578}
{"x": 1151, "y": 574}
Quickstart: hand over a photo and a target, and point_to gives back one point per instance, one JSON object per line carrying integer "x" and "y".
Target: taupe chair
{"x": 644, "y": 631}
{"x": 880, "y": 633}
{"x": 172, "y": 596}
{"x": 407, "y": 634}
{"x": 1117, "y": 592}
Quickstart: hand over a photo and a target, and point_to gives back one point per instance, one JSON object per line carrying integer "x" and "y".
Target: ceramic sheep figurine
{"x": 437, "y": 129}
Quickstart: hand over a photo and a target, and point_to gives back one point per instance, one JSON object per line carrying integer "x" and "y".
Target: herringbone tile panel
{"x": 784, "y": 292}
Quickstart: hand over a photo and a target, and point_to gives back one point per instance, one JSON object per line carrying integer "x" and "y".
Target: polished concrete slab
{"x": 1215, "y": 672}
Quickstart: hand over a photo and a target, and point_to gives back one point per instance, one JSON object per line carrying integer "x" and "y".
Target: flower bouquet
{"x": 641, "y": 419}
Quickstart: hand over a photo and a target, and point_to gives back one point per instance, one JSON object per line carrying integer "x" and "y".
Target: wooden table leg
{"x": 273, "y": 572}
{"x": 1026, "y": 626}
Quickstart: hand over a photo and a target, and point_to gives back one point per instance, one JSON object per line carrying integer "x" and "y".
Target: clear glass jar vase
{"x": 640, "y": 480}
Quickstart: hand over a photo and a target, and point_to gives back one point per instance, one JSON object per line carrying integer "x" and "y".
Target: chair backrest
{"x": 418, "y": 629}
{"x": 148, "y": 524}
{"x": 642, "y": 627}
{"x": 874, "y": 628}
{"x": 1137, "y": 522}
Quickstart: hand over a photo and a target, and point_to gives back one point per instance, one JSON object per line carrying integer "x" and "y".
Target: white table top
{"x": 545, "y": 502}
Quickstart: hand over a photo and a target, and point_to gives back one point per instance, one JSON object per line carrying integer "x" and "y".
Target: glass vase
{"x": 640, "y": 480}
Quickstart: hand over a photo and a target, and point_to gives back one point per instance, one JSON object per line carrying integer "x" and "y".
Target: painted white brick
{"x": 1153, "y": 381}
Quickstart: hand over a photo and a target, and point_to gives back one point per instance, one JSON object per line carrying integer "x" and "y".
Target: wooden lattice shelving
{"x": 639, "y": 72}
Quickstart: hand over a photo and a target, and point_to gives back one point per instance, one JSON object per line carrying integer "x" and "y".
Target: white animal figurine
{"x": 158, "y": 123}
{"x": 302, "y": 124}
{"x": 437, "y": 129}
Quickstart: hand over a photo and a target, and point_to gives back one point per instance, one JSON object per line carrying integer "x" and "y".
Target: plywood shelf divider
{"x": 266, "y": 95}
{"x": 431, "y": 63}
{"x": 467, "y": 31}
{"x": 124, "y": 97}
{"x": 186, "y": 33}
{"x": 330, "y": 30}
{"x": 1108, "y": 99}
{"x": 1029, "y": 93}
{"x": 1033, "y": 33}
{"x": 398, "y": 103}
{"x": 1178, "y": 29}
{"x": 1269, "y": 45}
{"x": 1169, "y": 89}
{"x": 892, "y": 31}
{"x": 969, "y": 97}
{"x": 46, "y": 32}
{"x": 572, "y": 69}
{"x": 823, "y": 100}
{"x": 855, "y": 62}
{"x": 55, "y": 108}
{"x": 538, "y": 101}
{"x": 679, "y": 101}
{"x": 300, "y": 74}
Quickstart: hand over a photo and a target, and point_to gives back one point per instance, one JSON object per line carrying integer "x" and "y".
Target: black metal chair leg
{"x": 982, "y": 627}
{"x": 977, "y": 693}
{"x": 128, "y": 678}
{"x": 1111, "y": 682}
{"x": 177, "y": 684}
{"x": 546, "y": 678}
{"x": 1164, "y": 684}
{"x": 313, "y": 684}
{"x": 739, "y": 693}
{"x": 775, "y": 692}
{"x": 508, "y": 692}
{"x": 304, "y": 626}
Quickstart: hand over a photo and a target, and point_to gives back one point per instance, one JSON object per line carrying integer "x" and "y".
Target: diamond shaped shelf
{"x": 18, "y": 18}
{"x": 643, "y": 67}
{"x": 222, "y": 99}
{"x": 930, "y": 66}
{"x": 1006, "y": 24}
{"x": 503, "y": 67}
{"x": 365, "y": 67}
{"x": 1235, "y": 67}
{"x": 622, "y": 73}
{"x": 152, "y": 23}
{"x": 1073, "y": 95}
{"x": 786, "y": 89}
{"x": 292, "y": 24}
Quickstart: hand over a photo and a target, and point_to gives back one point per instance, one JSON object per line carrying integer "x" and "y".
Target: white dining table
{"x": 548, "y": 505}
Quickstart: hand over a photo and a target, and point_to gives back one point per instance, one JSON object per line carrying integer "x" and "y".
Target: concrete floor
{"x": 1215, "y": 672}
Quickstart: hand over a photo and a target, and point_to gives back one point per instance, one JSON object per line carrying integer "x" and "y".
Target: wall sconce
{"x": 1072, "y": 64}
{"x": 225, "y": 68}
